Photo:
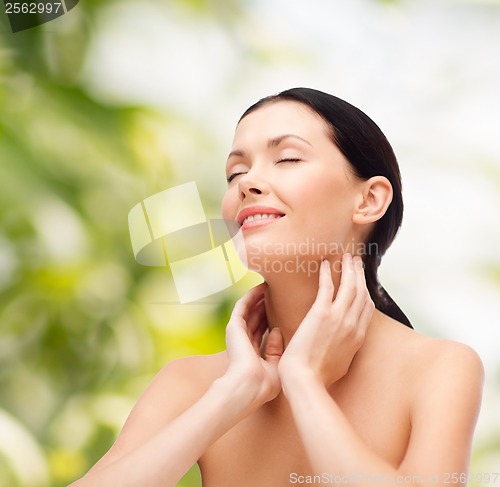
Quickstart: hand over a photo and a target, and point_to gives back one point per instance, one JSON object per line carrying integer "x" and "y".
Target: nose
{"x": 250, "y": 184}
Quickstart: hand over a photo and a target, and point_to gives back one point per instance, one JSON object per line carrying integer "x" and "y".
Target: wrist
{"x": 298, "y": 379}
{"x": 238, "y": 391}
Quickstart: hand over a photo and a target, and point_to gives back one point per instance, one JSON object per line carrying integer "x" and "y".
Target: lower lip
{"x": 259, "y": 223}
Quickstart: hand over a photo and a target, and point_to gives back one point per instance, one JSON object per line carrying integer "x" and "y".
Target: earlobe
{"x": 375, "y": 198}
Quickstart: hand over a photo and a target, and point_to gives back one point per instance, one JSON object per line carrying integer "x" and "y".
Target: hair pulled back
{"x": 369, "y": 153}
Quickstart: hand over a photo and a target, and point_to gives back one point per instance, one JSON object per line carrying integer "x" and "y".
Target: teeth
{"x": 259, "y": 216}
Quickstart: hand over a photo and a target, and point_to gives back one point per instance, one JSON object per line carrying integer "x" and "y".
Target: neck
{"x": 289, "y": 296}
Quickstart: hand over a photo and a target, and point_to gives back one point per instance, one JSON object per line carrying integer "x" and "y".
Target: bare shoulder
{"x": 176, "y": 387}
{"x": 429, "y": 362}
{"x": 189, "y": 376}
{"x": 451, "y": 353}
{"x": 180, "y": 383}
{"x": 195, "y": 367}
{"x": 443, "y": 382}
{"x": 411, "y": 343}
{"x": 451, "y": 364}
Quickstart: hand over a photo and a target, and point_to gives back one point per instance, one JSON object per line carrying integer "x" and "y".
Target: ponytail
{"x": 380, "y": 297}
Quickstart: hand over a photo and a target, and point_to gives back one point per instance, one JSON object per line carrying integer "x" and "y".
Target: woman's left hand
{"x": 333, "y": 330}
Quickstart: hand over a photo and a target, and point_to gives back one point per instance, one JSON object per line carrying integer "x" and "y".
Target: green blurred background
{"x": 118, "y": 100}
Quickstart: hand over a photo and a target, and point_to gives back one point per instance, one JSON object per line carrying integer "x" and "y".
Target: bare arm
{"x": 443, "y": 418}
{"x": 445, "y": 406}
{"x": 165, "y": 457}
{"x": 163, "y": 438}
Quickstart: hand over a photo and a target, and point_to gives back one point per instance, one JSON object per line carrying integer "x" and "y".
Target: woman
{"x": 321, "y": 382}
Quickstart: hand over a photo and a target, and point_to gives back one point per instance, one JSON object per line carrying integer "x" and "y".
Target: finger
{"x": 362, "y": 294}
{"x": 248, "y": 300}
{"x": 238, "y": 334}
{"x": 366, "y": 315}
{"x": 347, "y": 287}
{"x": 263, "y": 342}
{"x": 255, "y": 316}
{"x": 259, "y": 333}
{"x": 238, "y": 343}
{"x": 241, "y": 310}
{"x": 274, "y": 347}
{"x": 326, "y": 287}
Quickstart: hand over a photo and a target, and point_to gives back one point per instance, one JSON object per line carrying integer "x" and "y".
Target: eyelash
{"x": 288, "y": 159}
{"x": 232, "y": 176}
{"x": 285, "y": 159}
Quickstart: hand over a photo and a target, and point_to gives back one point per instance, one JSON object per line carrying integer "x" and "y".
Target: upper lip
{"x": 257, "y": 210}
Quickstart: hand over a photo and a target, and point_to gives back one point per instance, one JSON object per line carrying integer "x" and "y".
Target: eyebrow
{"x": 277, "y": 140}
{"x": 274, "y": 142}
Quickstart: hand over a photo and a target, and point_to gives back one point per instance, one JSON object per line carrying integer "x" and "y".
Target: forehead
{"x": 281, "y": 117}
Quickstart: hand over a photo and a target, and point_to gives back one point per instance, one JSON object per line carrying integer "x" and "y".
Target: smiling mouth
{"x": 259, "y": 219}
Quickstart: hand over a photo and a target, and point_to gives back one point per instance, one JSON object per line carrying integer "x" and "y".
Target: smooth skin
{"x": 335, "y": 387}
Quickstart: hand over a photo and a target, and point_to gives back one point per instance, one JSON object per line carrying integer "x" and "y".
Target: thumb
{"x": 274, "y": 347}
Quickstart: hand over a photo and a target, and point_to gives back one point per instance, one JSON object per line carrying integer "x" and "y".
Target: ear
{"x": 374, "y": 198}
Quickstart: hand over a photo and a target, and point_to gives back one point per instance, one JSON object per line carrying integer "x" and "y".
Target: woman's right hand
{"x": 244, "y": 334}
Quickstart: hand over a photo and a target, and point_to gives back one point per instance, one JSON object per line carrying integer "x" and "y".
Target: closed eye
{"x": 233, "y": 175}
{"x": 284, "y": 159}
{"x": 288, "y": 159}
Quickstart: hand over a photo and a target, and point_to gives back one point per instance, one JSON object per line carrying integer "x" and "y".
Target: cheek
{"x": 322, "y": 195}
{"x": 326, "y": 208}
{"x": 229, "y": 205}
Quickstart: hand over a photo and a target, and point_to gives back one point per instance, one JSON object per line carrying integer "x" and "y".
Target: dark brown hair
{"x": 369, "y": 153}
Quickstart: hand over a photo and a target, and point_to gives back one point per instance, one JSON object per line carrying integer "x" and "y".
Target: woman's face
{"x": 284, "y": 166}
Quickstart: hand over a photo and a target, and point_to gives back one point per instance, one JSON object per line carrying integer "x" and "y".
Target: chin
{"x": 280, "y": 253}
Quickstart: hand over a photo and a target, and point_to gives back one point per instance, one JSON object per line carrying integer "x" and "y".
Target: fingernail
{"x": 276, "y": 330}
{"x": 348, "y": 256}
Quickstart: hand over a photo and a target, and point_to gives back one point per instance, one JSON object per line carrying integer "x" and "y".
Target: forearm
{"x": 167, "y": 456}
{"x": 332, "y": 444}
